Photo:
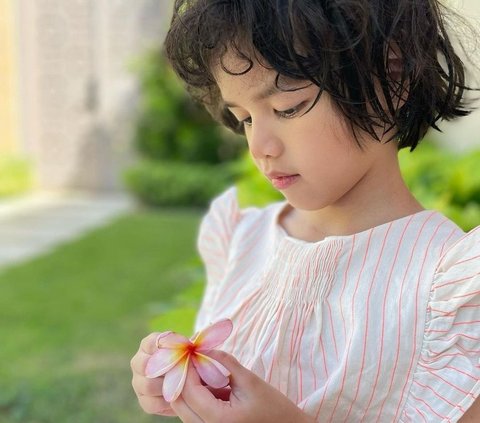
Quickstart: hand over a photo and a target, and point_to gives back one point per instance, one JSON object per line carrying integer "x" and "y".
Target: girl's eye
{"x": 286, "y": 114}
{"x": 247, "y": 121}
{"x": 292, "y": 112}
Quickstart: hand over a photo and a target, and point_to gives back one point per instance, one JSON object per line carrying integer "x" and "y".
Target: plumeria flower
{"x": 175, "y": 352}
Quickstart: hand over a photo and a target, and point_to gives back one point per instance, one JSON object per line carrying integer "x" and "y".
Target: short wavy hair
{"x": 386, "y": 64}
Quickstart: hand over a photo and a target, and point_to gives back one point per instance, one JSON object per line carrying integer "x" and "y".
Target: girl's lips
{"x": 283, "y": 182}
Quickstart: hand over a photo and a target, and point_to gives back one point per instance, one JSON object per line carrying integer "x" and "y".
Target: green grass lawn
{"x": 71, "y": 320}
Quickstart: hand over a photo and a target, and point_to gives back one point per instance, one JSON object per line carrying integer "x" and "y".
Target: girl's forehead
{"x": 235, "y": 75}
{"x": 238, "y": 76}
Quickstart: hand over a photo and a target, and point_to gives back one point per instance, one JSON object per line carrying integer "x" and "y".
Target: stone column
{"x": 9, "y": 117}
{"x": 78, "y": 96}
{"x": 463, "y": 134}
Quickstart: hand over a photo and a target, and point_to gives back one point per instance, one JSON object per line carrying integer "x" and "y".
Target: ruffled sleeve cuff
{"x": 447, "y": 378}
{"x": 213, "y": 243}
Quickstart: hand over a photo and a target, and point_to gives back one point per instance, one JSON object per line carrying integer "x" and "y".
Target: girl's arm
{"x": 250, "y": 400}
{"x": 473, "y": 413}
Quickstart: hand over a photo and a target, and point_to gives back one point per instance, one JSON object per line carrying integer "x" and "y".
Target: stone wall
{"x": 464, "y": 134}
{"x": 78, "y": 98}
{"x": 9, "y": 122}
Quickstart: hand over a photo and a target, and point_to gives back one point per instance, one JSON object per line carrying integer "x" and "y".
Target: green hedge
{"x": 169, "y": 125}
{"x": 164, "y": 183}
{"x": 444, "y": 181}
{"x": 171, "y": 131}
{"x": 252, "y": 187}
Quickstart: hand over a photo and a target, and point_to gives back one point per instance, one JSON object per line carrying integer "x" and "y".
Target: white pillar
{"x": 464, "y": 134}
{"x": 78, "y": 96}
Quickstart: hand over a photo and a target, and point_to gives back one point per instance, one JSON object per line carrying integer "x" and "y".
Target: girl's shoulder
{"x": 225, "y": 213}
{"x": 456, "y": 279}
{"x": 225, "y": 217}
{"x": 447, "y": 378}
{"x": 461, "y": 254}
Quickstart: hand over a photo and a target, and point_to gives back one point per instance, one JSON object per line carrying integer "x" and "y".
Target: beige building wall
{"x": 78, "y": 96}
{"x": 464, "y": 134}
{"x": 9, "y": 122}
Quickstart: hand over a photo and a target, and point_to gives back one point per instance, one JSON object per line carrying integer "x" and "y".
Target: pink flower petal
{"x": 175, "y": 380}
{"x": 210, "y": 370}
{"x": 162, "y": 334}
{"x": 171, "y": 340}
{"x": 219, "y": 365}
{"x": 213, "y": 335}
{"x": 162, "y": 361}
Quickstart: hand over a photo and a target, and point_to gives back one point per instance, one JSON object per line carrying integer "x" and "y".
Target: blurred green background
{"x": 71, "y": 319}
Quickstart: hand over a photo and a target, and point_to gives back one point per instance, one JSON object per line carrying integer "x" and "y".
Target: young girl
{"x": 350, "y": 302}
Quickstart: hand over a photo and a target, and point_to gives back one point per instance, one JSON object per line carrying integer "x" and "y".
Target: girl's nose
{"x": 264, "y": 142}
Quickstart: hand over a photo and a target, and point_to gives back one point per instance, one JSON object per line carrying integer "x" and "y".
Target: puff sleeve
{"x": 213, "y": 244}
{"x": 447, "y": 377}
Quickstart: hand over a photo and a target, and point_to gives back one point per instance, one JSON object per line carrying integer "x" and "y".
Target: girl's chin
{"x": 305, "y": 203}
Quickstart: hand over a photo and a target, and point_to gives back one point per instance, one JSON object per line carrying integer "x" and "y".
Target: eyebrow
{"x": 262, "y": 95}
{"x": 267, "y": 92}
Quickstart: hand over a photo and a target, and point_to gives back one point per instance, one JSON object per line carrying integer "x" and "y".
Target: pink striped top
{"x": 378, "y": 326}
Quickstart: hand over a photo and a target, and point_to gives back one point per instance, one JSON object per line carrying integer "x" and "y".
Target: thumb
{"x": 240, "y": 377}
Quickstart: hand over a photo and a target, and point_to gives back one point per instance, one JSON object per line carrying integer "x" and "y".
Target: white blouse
{"x": 378, "y": 326}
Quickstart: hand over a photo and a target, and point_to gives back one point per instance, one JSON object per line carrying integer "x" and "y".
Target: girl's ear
{"x": 395, "y": 71}
{"x": 394, "y": 62}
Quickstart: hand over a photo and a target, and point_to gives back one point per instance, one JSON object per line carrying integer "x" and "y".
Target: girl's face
{"x": 317, "y": 146}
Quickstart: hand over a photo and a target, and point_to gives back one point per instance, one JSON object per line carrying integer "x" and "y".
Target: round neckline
{"x": 285, "y": 235}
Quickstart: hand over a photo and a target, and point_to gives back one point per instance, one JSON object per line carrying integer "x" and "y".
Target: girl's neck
{"x": 379, "y": 197}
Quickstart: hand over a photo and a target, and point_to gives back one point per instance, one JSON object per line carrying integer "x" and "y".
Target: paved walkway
{"x": 37, "y": 223}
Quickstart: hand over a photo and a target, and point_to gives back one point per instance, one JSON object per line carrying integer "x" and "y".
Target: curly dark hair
{"x": 386, "y": 64}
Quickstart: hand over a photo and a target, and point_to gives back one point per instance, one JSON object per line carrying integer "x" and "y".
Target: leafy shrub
{"x": 252, "y": 186}
{"x": 181, "y": 147}
{"x": 170, "y": 126}
{"x": 439, "y": 179}
{"x": 444, "y": 181}
{"x": 177, "y": 184}
{"x": 16, "y": 175}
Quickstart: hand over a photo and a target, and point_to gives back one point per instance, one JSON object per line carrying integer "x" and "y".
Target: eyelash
{"x": 283, "y": 114}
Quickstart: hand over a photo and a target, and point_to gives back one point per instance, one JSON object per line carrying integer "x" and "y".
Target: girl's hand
{"x": 148, "y": 391}
{"x": 249, "y": 399}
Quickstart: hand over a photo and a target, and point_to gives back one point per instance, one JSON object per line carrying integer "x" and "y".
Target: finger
{"x": 240, "y": 376}
{"x": 145, "y": 386}
{"x": 139, "y": 362}
{"x": 149, "y": 343}
{"x": 156, "y": 405}
{"x": 186, "y": 414}
{"x": 220, "y": 393}
{"x": 200, "y": 399}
